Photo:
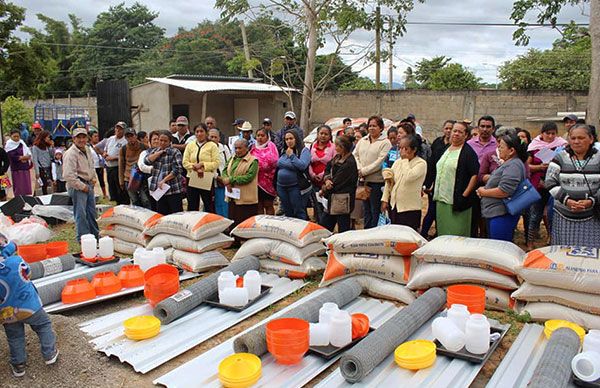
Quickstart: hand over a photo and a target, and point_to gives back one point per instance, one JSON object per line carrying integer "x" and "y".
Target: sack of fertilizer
{"x": 541, "y": 312}
{"x": 198, "y": 262}
{"x": 194, "y": 225}
{"x": 125, "y": 247}
{"x": 278, "y": 250}
{"x": 383, "y": 289}
{"x": 589, "y": 303}
{"x": 185, "y": 244}
{"x": 427, "y": 275}
{"x": 494, "y": 255}
{"x": 128, "y": 215}
{"x": 125, "y": 233}
{"x": 292, "y": 230}
{"x": 309, "y": 267}
{"x": 389, "y": 239}
{"x": 342, "y": 265}
{"x": 567, "y": 267}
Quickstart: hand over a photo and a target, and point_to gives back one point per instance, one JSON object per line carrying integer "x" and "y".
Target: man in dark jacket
{"x": 290, "y": 125}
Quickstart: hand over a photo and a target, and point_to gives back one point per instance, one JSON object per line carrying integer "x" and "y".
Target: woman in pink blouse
{"x": 266, "y": 152}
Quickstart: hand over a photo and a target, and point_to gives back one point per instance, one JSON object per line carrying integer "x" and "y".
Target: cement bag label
{"x": 292, "y": 230}
{"x": 181, "y": 295}
{"x": 52, "y": 266}
{"x": 398, "y": 240}
{"x": 566, "y": 267}
{"x": 495, "y": 255}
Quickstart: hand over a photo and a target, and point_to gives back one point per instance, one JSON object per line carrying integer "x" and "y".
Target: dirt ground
{"x": 79, "y": 365}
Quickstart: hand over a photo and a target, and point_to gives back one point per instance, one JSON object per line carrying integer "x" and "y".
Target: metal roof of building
{"x": 518, "y": 365}
{"x": 215, "y": 86}
{"x": 179, "y": 336}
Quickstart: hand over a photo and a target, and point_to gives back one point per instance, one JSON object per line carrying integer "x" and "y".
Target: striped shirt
{"x": 569, "y": 178}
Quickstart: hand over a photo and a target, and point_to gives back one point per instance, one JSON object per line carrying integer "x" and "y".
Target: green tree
{"x": 453, "y": 76}
{"x": 15, "y": 112}
{"x": 361, "y": 83}
{"x": 425, "y": 69}
{"x": 114, "y": 43}
{"x": 410, "y": 80}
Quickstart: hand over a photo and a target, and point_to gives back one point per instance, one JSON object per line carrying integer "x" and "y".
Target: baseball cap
{"x": 37, "y": 125}
{"x": 121, "y": 124}
{"x": 79, "y": 131}
{"x": 411, "y": 116}
{"x": 267, "y": 120}
{"x": 129, "y": 131}
{"x": 238, "y": 122}
{"x": 290, "y": 115}
{"x": 182, "y": 120}
{"x": 571, "y": 117}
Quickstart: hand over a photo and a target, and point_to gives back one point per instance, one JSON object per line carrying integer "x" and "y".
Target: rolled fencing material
{"x": 51, "y": 292}
{"x": 187, "y": 299}
{"x": 359, "y": 361}
{"x": 340, "y": 293}
{"x": 554, "y": 368}
{"x": 48, "y": 267}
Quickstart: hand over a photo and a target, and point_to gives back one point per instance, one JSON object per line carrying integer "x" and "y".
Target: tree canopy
{"x": 438, "y": 73}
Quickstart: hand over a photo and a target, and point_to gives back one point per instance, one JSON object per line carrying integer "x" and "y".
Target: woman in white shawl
{"x": 20, "y": 163}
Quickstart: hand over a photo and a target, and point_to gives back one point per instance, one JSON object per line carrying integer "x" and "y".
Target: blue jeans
{"x": 292, "y": 202}
{"x": 15, "y": 335}
{"x": 84, "y": 211}
{"x": 221, "y": 207}
{"x": 372, "y": 206}
{"x": 502, "y": 227}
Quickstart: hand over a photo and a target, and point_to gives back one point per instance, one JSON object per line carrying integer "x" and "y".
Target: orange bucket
{"x": 287, "y": 339}
{"x": 32, "y": 253}
{"x": 360, "y": 325}
{"x": 78, "y": 290}
{"x": 161, "y": 281}
{"x": 106, "y": 283}
{"x": 131, "y": 276}
{"x": 57, "y": 248}
{"x": 471, "y": 296}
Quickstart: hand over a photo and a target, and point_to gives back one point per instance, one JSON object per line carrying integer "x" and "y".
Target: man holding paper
{"x": 201, "y": 160}
{"x": 240, "y": 179}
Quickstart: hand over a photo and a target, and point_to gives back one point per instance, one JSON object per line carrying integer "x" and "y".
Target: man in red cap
{"x": 36, "y": 129}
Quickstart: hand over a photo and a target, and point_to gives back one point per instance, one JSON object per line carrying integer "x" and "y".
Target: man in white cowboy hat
{"x": 246, "y": 133}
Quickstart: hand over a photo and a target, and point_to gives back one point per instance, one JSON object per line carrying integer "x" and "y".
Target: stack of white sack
{"x": 379, "y": 258}
{"x": 450, "y": 260}
{"x": 191, "y": 239}
{"x": 561, "y": 282}
{"x": 126, "y": 224}
{"x": 288, "y": 247}
{"x": 30, "y": 230}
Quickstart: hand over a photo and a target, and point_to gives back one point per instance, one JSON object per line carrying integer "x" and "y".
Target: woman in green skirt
{"x": 454, "y": 190}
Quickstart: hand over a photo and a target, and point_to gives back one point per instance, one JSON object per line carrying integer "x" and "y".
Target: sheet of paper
{"x": 322, "y": 200}
{"x": 231, "y": 140}
{"x": 159, "y": 192}
{"x": 545, "y": 155}
{"x": 234, "y": 193}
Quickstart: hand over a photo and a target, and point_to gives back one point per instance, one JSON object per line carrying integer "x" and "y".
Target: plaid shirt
{"x": 170, "y": 161}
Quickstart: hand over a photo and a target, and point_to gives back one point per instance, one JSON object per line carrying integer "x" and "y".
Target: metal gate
{"x": 113, "y": 104}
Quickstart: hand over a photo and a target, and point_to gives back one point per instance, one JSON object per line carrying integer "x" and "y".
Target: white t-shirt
{"x": 113, "y": 146}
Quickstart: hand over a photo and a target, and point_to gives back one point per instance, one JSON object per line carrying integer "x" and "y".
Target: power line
{"x": 478, "y": 24}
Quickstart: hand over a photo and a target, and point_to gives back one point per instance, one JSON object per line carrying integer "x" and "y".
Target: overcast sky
{"x": 481, "y": 49}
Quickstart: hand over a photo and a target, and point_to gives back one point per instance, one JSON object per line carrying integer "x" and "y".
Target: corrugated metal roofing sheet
{"x": 202, "y": 371}
{"x": 518, "y": 365}
{"x": 446, "y": 372}
{"x": 181, "y": 335}
{"x": 214, "y": 86}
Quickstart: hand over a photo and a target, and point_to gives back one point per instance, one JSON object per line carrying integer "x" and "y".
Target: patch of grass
{"x": 66, "y": 232}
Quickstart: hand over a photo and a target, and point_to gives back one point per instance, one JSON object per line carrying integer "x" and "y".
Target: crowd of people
{"x": 465, "y": 179}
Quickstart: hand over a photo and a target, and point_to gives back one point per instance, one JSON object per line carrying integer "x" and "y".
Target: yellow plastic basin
{"x": 240, "y": 370}
{"x": 141, "y": 327}
{"x": 555, "y": 324}
{"x": 414, "y": 355}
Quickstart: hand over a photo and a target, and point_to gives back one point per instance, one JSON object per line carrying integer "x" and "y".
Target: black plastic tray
{"x": 580, "y": 383}
{"x": 475, "y": 358}
{"x": 78, "y": 259}
{"x": 330, "y": 351}
{"x": 264, "y": 290}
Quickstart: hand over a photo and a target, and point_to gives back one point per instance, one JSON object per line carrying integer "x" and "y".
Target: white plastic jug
{"x": 591, "y": 341}
{"x": 448, "y": 334}
{"x": 327, "y": 311}
{"x": 586, "y": 366}
{"x": 159, "y": 256}
{"x": 253, "y": 282}
{"x": 459, "y": 314}
{"x": 143, "y": 258}
{"x": 477, "y": 334}
{"x": 106, "y": 247}
{"x": 225, "y": 280}
{"x": 88, "y": 247}
{"x": 319, "y": 334}
{"x": 341, "y": 329}
{"x": 236, "y": 296}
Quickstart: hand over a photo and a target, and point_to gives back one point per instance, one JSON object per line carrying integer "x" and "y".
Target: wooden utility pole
{"x": 246, "y": 48}
{"x": 593, "y": 111}
{"x": 391, "y": 58}
{"x": 377, "y": 47}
